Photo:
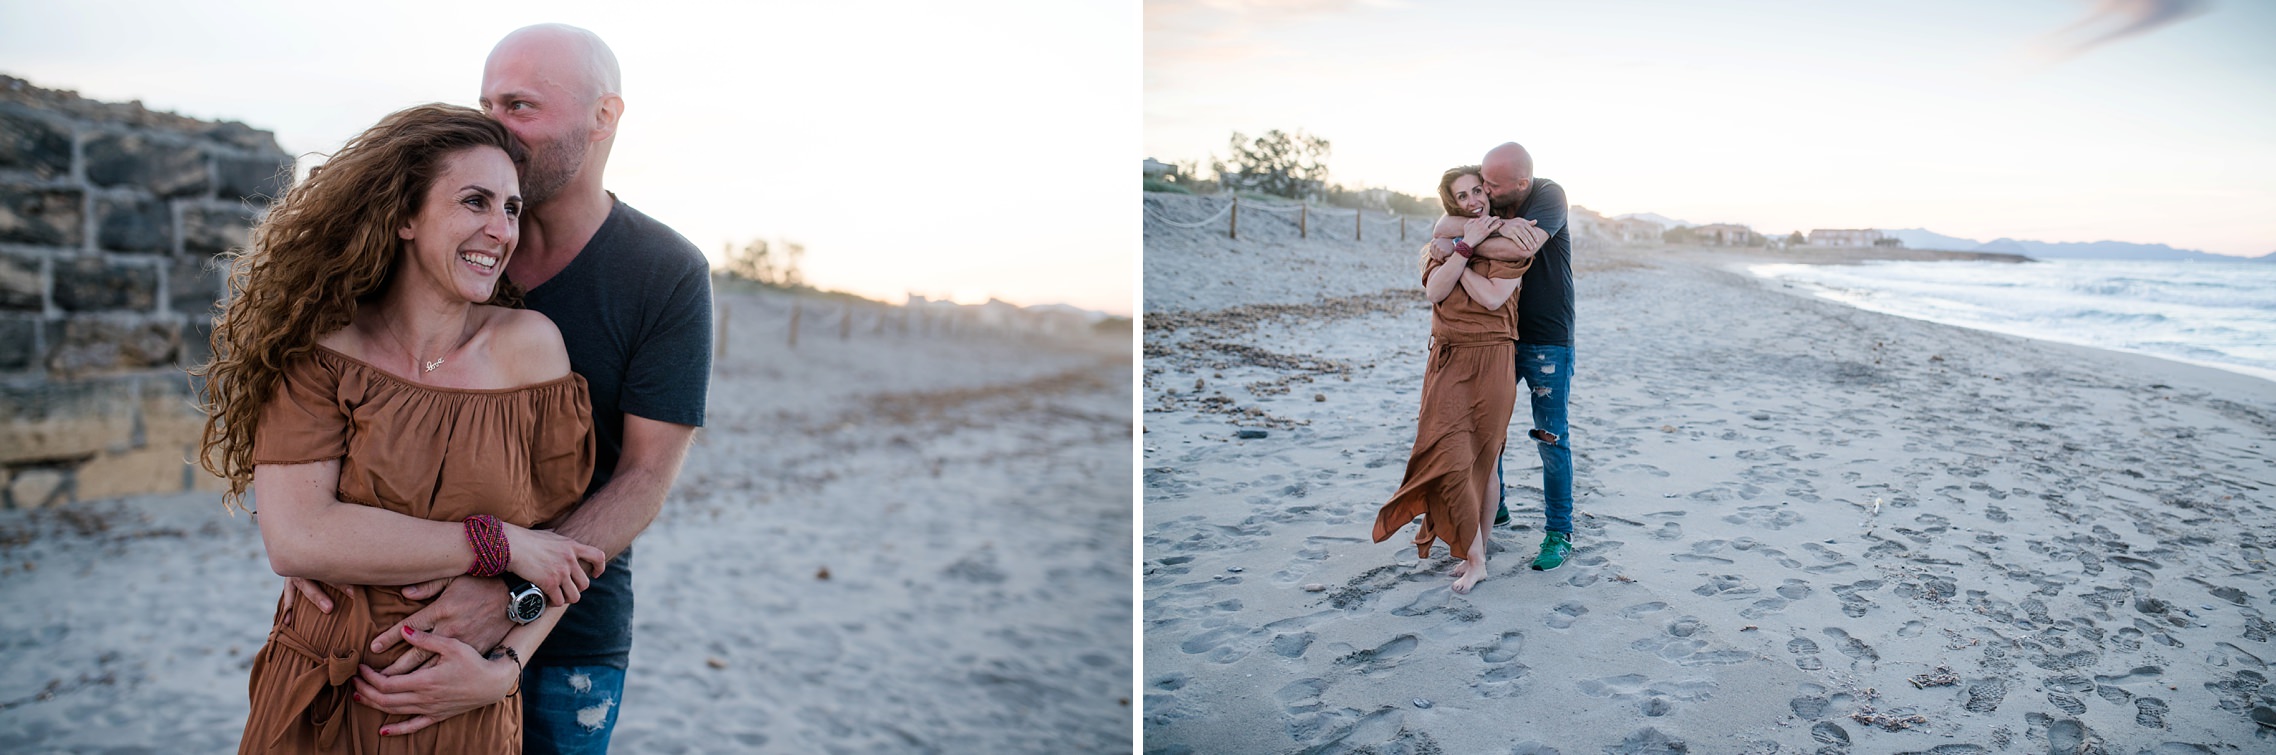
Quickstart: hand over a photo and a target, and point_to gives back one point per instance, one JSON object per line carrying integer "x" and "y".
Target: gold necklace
{"x": 425, "y": 367}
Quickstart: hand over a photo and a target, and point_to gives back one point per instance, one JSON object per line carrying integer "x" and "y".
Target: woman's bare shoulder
{"x": 526, "y": 345}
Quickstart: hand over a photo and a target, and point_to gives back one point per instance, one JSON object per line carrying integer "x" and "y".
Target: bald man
{"x": 633, "y": 301}
{"x": 1545, "y": 331}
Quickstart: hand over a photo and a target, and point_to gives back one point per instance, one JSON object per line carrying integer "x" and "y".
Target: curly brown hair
{"x": 1446, "y": 187}
{"x": 327, "y": 246}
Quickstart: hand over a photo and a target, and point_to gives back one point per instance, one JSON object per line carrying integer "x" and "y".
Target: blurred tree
{"x": 1277, "y": 163}
{"x": 754, "y": 262}
{"x": 1795, "y": 239}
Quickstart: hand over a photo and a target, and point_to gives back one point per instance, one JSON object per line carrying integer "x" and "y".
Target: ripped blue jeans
{"x": 1548, "y": 372}
{"x": 570, "y": 709}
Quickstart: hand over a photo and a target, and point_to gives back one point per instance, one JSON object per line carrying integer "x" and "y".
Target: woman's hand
{"x": 562, "y": 567}
{"x": 459, "y": 680}
{"x": 1475, "y": 230}
{"x": 1439, "y": 252}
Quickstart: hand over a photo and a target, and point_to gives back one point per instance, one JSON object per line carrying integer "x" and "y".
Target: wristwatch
{"x": 524, "y": 601}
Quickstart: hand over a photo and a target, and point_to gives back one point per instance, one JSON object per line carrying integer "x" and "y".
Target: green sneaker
{"x": 1501, "y": 514}
{"x": 1554, "y": 548}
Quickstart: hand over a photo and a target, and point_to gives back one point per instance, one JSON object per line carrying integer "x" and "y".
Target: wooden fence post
{"x": 1356, "y": 231}
{"x": 1236, "y": 232}
{"x": 845, "y": 322}
{"x": 796, "y": 309}
{"x": 1402, "y": 227}
{"x": 726, "y": 313}
{"x": 1303, "y": 219}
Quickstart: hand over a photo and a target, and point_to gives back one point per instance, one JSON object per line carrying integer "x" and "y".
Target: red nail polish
{"x": 406, "y": 631}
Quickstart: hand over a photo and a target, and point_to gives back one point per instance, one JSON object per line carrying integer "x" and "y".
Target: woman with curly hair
{"x": 396, "y": 425}
{"x": 1469, "y": 384}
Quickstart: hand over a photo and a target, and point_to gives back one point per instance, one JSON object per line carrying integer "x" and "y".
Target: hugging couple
{"x": 458, "y": 377}
{"x": 1498, "y": 273}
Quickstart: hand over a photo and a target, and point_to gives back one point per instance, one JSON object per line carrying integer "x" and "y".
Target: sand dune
{"x": 1801, "y": 528}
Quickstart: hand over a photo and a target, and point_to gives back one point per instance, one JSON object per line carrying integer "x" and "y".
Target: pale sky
{"x": 2053, "y": 120}
{"x": 953, "y": 150}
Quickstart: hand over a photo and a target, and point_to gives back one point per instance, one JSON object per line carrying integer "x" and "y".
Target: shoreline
{"x": 1740, "y": 262}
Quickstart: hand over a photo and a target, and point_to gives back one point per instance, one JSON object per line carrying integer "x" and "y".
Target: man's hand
{"x": 458, "y": 681}
{"x": 471, "y": 610}
{"x": 306, "y": 589}
{"x": 1526, "y": 233}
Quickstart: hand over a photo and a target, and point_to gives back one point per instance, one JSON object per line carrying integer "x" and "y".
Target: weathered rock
{"x": 197, "y": 344}
{"x": 35, "y": 145}
{"x": 36, "y": 488}
{"x": 95, "y": 344}
{"x": 167, "y": 167}
{"x": 91, "y": 284}
{"x": 212, "y": 229}
{"x": 20, "y": 285}
{"x": 19, "y": 338}
{"x": 193, "y": 285}
{"x": 47, "y": 217}
{"x": 142, "y": 470}
{"x": 133, "y": 224}
{"x": 58, "y": 420}
{"x": 261, "y": 178}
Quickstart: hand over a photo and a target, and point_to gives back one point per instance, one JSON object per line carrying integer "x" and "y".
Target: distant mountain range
{"x": 1922, "y": 238}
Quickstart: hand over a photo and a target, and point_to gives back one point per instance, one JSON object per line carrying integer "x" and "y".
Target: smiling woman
{"x": 364, "y": 346}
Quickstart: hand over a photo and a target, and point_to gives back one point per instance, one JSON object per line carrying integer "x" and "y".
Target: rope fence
{"x": 1232, "y": 212}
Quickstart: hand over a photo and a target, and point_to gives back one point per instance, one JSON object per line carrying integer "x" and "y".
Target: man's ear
{"x": 605, "y": 115}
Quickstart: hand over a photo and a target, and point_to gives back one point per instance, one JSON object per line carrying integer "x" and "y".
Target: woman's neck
{"x": 421, "y": 324}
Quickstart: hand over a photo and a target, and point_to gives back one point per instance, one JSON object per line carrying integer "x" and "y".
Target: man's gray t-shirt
{"x": 634, "y": 309}
{"x": 1545, "y": 302}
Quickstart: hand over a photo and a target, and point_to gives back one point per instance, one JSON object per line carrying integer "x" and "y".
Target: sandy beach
{"x": 1801, "y": 527}
{"x": 899, "y": 541}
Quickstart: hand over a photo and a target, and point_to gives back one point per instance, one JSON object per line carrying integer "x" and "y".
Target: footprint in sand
{"x": 1765, "y": 517}
{"x": 1385, "y": 656}
{"x": 1854, "y": 604}
{"x": 1501, "y": 667}
{"x": 1726, "y": 585}
{"x": 1812, "y": 704}
{"x": 1704, "y": 550}
{"x": 1640, "y": 609}
{"x": 2150, "y": 712}
{"x": 1830, "y": 733}
{"x": 1806, "y": 654}
{"x": 1565, "y": 614}
{"x": 1851, "y": 646}
{"x": 1291, "y": 645}
{"x": 1985, "y": 695}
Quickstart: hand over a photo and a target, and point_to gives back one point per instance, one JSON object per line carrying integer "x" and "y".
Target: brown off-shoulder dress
{"x": 522, "y": 455}
{"x": 1469, "y": 388}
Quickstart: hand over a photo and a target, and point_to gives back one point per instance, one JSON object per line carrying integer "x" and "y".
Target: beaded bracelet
{"x": 491, "y": 552}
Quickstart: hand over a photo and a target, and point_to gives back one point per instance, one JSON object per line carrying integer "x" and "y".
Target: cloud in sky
{"x": 2114, "y": 20}
{"x": 1182, "y": 33}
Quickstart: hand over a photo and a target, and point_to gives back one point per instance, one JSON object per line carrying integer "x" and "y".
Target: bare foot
{"x": 1471, "y": 572}
{"x": 1461, "y": 568}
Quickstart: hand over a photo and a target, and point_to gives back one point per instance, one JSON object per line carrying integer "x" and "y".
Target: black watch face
{"x": 529, "y": 605}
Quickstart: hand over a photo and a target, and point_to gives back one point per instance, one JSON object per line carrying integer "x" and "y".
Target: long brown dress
{"x": 521, "y": 454}
{"x": 1469, "y": 389}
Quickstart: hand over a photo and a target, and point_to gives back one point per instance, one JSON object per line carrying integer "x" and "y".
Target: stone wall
{"x": 112, "y": 220}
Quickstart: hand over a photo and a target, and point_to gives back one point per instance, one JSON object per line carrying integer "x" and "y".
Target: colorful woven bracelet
{"x": 491, "y": 553}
